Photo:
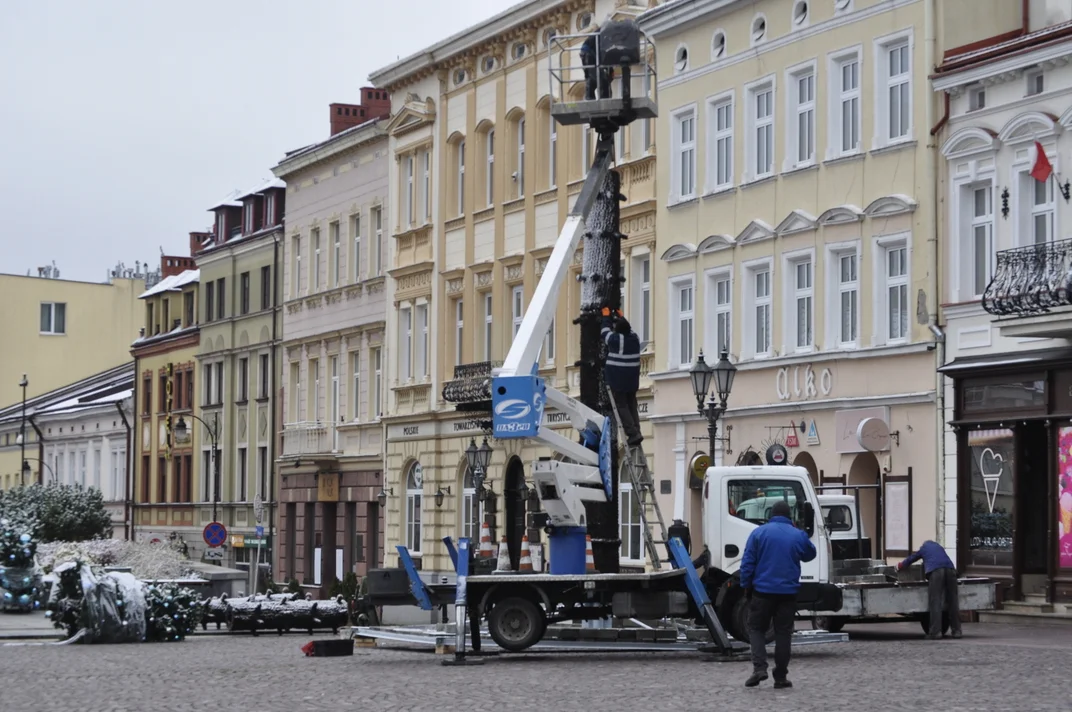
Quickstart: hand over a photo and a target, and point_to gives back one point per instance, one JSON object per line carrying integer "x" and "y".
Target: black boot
{"x": 757, "y": 677}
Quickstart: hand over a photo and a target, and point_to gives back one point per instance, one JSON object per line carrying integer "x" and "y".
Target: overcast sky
{"x": 122, "y": 121}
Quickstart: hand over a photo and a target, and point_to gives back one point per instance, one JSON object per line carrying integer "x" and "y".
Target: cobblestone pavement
{"x": 994, "y": 668}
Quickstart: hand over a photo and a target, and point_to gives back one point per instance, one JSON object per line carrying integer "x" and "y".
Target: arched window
{"x": 414, "y": 495}
{"x": 681, "y": 59}
{"x": 472, "y": 508}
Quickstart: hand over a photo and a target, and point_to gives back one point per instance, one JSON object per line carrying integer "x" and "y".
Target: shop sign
{"x": 791, "y": 439}
{"x": 813, "y": 433}
{"x": 1064, "y": 499}
{"x": 847, "y": 422}
{"x": 873, "y": 435}
{"x": 991, "y": 455}
{"x": 642, "y": 407}
{"x": 327, "y": 487}
{"x": 802, "y": 382}
{"x": 698, "y": 470}
{"x": 238, "y": 541}
{"x": 777, "y": 455}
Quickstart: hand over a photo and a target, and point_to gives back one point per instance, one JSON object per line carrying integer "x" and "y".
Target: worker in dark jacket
{"x": 942, "y": 579}
{"x": 622, "y": 372}
{"x": 589, "y": 59}
{"x": 770, "y": 576}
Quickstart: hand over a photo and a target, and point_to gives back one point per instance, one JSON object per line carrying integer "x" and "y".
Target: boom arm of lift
{"x": 519, "y": 395}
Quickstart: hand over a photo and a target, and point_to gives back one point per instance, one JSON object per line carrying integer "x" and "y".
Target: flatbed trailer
{"x": 895, "y": 602}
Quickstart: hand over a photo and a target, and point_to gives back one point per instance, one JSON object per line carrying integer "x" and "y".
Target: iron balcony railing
{"x": 1031, "y": 280}
{"x": 470, "y": 390}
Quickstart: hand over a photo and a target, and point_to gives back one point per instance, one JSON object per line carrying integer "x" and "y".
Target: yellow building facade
{"x": 481, "y": 181}
{"x": 797, "y": 231}
{"x": 166, "y": 482}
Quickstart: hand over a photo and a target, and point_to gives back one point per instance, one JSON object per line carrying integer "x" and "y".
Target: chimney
{"x": 375, "y": 104}
{"x": 197, "y": 241}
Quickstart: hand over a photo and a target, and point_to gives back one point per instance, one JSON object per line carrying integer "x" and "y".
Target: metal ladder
{"x": 635, "y": 466}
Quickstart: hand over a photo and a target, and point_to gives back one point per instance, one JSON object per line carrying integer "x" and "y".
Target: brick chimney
{"x": 375, "y": 104}
{"x": 198, "y": 242}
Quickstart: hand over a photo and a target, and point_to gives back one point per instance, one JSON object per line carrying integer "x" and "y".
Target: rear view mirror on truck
{"x": 809, "y": 518}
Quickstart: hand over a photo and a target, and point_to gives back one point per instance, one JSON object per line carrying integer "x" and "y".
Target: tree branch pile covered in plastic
{"x": 20, "y": 582}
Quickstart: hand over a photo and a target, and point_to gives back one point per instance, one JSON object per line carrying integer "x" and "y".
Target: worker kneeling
{"x": 622, "y": 372}
{"x": 770, "y": 576}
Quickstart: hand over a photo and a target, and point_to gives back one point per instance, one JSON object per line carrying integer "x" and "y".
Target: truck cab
{"x": 736, "y": 501}
{"x": 848, "y": 539}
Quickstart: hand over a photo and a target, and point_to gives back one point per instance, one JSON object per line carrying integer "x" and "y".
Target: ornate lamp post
{"x": 25, "y": 467}
{"x": 478, "y": 460}
{"x": 182, "y": 433}
{"x": 702, "y": 375}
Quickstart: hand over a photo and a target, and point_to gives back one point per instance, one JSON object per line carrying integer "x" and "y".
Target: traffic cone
{"x": 486, "y": 551}
{"x": 589, "y": 559}
{"x": 504, "y": 556}
{"x": 525, "y": 563}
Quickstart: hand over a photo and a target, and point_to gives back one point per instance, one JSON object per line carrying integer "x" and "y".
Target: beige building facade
{"x": 796, "y": 226}
{"x": 481, "y": 180}
{"x": 333, "y": 356}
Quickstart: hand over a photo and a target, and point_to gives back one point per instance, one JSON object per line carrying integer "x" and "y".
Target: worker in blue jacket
{"x": 622, "y": 371}
{"x": 942, "y": 586}
{"x": 590, "y": 60}
{"x": 770, "y": 576}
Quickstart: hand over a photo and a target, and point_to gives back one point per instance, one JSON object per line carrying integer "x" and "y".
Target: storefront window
{"x": 992, "y": 497}
{"x": 1004, "y": 396}
{"x": 1064, "y": 499}
{"x": 752, "y": 500}
{"x": 471, "y": 506}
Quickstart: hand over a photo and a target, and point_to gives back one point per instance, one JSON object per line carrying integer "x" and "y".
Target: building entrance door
{"x": 1032, "y": 501}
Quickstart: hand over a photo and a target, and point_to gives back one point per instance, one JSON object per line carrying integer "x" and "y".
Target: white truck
{"x": 736, "y": 500}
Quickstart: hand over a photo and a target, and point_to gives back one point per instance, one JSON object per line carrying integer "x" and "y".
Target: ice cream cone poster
{"x": 1064, "y": 499}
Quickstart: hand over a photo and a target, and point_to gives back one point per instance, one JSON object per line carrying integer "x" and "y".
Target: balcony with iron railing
{"x": 1032, "y": 289}
{"x": 305, "y": 439}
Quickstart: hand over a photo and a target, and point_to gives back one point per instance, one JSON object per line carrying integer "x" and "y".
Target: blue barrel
{"x": 568, "y": 547}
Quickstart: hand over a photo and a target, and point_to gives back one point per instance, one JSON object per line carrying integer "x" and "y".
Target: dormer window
{"x": 221, "y": 226}
{"x": 519, "y": 51}
{"x": 248, "y": 218}
{"x": 487, "y": 64}
{"x": 269, "y": 209}
{"x": 459, "y": 77}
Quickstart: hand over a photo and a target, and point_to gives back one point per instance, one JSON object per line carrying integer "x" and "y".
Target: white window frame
{"x": 51, "y": 309}
{"x": 720, "y": 143}
{"x": 241, "y": 474}
{"x": 754, "y": 125}
{"x": 249, "y": 217}
{"x": 552, "y": 152}
{"x": 1031, "y": 79}
{"x": 794, "y": 293}
{"x": 1028, "y": 209}
{"x": 459, "y": 332}
{"x": 718, "y": 311}
{"x": 355, "y": 384}
{"x": 839, "y": 97}
{"x": 884, "y": 245}
{"x": 681, "y": 319}
{"x": 489, "y": 315}
{"x": 800, "y": 112}
{"x": 314, "y": 381}
{"x": 641, "y": 306}
{"x": 315, "y": 266}
{"x": 885, "y": 83}
{"x": 968, "y": 225}
{"x": 517, "y": 308}
{"x": 408, "y": 208}
{"x": 461, "y": 178}
{"x": 629, "y": 521}
{"x": 414, "y": 520}
{"x": 521, "y": 157}
{"x": 753, "y": 303}
{"x": 296, "y": 267}
{"x": 335, "y": 399}
{"x": 683, "y": 165}
{"x": 377, "y": 375}
{"x": 489, "y": 148}
{"x": 549, "y": 345}
{"x": 405, "y": 347}
{"x": 471, "y": 511}
{"x": 355, "y": 228}
{"x": 835, "y": 287}
{"x": 421, "y": 345}
{"x": 426, "y": 193}
{"x": 336, "y": 269}
{"x": 377, "y": 213}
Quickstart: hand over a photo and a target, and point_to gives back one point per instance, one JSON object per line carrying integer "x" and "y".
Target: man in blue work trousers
{"x": 770, "y": 576}
{"x": 942, "y": 586}
{"x": 622, "y": 372}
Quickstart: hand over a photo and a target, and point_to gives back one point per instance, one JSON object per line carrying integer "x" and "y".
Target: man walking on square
{"x": 942, "y": 586}
{"x": 770, "y": 576}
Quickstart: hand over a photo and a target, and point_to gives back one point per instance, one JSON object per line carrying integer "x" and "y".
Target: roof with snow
{"x": 174, "y": 283}
{"x": 265, "y": 185}
{"x": 101, "y": 389}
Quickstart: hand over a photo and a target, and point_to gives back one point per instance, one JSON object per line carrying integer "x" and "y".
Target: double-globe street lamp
{"x": 182, "y": 433}
{"x": 478, "y": 459}
{"x": 702, "y": 375}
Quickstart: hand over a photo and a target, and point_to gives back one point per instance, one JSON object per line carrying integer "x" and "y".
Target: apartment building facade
{"x": 241, "y": 325}
{"x": 796, "y": 232}
{"x": 481, "y": 180}
{"x": 166, "y": 483}
{"x": 1006, "y": 305}
{"x": 333, "y": 356}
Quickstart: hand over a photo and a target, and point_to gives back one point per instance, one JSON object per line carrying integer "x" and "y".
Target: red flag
{"x": 1042, "y": 169}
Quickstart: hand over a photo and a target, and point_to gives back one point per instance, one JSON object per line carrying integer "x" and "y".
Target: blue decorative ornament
{"x": 25, "y": 538}
{"x": 24, "y": 599}
{"x": 7, "y": 596}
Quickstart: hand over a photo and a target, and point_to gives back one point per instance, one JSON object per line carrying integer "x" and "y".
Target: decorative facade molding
{"x": 841, "y": 215}
{"x": 714, "y": 243}
{"x": 890, "y": 205}
{"x": 796, "y": 221}
{"x": 755, "y": 231}
{"x": 681, "y": 251}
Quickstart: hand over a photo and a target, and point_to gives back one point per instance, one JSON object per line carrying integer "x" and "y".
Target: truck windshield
{"x": 752, "y": 500}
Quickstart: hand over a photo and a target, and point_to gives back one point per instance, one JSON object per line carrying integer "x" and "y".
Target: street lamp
{"x": 182, "y": 434}
{"x": 440, "y": 494}
{"x": 26, "y": 469}
{"x": 22, "y": 429}
{"x": 382, "y": 496}
{"x": 701, "y": 375}
{"x": 478, "y": 460}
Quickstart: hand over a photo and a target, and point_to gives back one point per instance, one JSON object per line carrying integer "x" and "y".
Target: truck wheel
{"x": 738, "y": 623}
{"x": 516, "y": 624}
{"x": 831, "y": 624}
{"x": 925, "y": 622}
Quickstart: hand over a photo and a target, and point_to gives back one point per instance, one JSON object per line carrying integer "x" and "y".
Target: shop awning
{"x": 1006, "y": 361}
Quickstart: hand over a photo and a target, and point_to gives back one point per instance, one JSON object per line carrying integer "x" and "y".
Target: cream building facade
{"x": 1007, "y": 402}
{"x": 241, "y": 326}
{"x": 481, "y": 180}
{"x": 333, "y": 356}
{"x": 796, "y": 230}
